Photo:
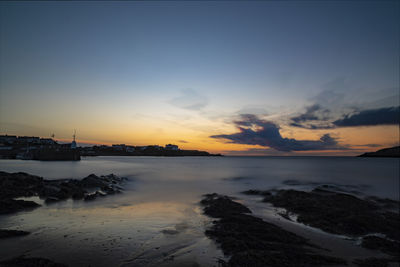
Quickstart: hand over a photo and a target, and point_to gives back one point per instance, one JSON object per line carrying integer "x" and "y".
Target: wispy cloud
{"x": 309, "y": 115}
{"x": 315, "y": 117}
{"x": 190, "y": 99}
{"x": 367, "y": 145}
{"x": 256, "y": 131}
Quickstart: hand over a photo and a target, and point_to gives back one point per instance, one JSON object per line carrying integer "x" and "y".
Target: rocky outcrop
{"x": 12, "y": 205}
{"x": 19, "y": 184}
{"x": 393, "y": 152}
{"x": 5, "y": 233}
{"x": 370, "y": 219}
{"x": 387, "y": 246}
{"x": 372, "y": 262}
{"x": 31, "y": 262}
{"x": 337, "y": 213}
{"x": 15, "y": 185}
{"x": 250, "y": 241}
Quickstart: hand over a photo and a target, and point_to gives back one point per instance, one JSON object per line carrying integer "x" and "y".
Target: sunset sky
{"x": 238, "y": 78}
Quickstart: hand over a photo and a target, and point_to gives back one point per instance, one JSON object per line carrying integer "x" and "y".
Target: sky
{"x": 238, "y": 78}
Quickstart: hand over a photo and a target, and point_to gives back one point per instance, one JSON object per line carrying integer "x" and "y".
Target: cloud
{"x": 309, "y": 115}
{"x": 182, "y": 141}
{"x": 368, "y": 145}
{"x": 315, "y": 117}
{"x": 315, "y": 114}
{"x": 255, "y": 131}
{"x": 371, "y": 117}
{"x": 189, "y": 99}
{"x": 312, "y": 126}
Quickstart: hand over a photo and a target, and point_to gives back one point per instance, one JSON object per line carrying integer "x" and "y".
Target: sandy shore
{"x": 82, "y": 228}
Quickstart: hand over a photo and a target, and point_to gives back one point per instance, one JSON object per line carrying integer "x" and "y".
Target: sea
{"x": 157, "y": 219}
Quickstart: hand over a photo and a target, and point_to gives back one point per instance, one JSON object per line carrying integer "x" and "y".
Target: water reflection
{"x": 147, "y": 233}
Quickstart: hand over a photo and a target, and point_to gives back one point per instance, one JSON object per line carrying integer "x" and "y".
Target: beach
{"x": 157, "y": 219}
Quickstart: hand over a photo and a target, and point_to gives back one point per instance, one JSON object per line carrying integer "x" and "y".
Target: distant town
{"x": 36, "y": 148}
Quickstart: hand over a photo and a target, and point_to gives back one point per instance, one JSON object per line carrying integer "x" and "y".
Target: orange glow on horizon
{"x": 357, "y": 139}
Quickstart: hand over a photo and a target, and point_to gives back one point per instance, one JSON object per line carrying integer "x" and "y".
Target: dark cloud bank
{"x": 255, "y": 131}
{"x": 317, "y": 118}
{"x": 371, "y": 117}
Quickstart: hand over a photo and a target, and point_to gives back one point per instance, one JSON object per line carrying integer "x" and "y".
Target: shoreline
{"x": 345, "y": 247}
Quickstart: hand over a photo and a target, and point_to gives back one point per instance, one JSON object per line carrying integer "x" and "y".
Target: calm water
{"x": 157, "y": 220}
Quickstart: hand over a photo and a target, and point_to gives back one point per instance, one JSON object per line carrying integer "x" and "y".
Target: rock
{"x": 218, "y": 206}
{"x": 13, "y": 185}
{"x": 48, "y": 190}
{"x": 392, "y": 152}
{"x": 346, "y": 214}
{"x": 387, "y": 246}
{"x": 337, "y": 213}
{"x": 12, "y": 205}
{"x": 92, "y": 181}
{"x": 5, "y": 233}
{"x": 31, "y": 262}
{"x": 250, "y": 241}
{"x": 109, "y": 190}
{"x": 90, "y": 197}
{"x": 19, "y": 184}
{"x": 371, "y": 262}
{"x": 72, "y": 189}
{"x": 385, "y": 203}
{"x": 94, "y": 195}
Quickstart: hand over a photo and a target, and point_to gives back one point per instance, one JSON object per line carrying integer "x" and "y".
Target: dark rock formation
{"x": 250, "y": 241}
{"x": 387, "y": 246}
{"x": 92, "y": 181}
{"x": 337, "y": 213}
{"x": 345, "y": 214}
{"x": 371, "y": 262}
{"x": 14, "y": 185}
{"x": 4, "y": 233}
{"x": 19, "y": 184}
{"x": 31, "y": 262}
{"x": 93, "y": 196}
{"x": 393, "y": 152}
{"x": 12, "y": 205}
{"x": 218, "y": 206}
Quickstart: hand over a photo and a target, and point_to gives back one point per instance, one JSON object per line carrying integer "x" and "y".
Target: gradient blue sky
{"x": 160, "y": 72}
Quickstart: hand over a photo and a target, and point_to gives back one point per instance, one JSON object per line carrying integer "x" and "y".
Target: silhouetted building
{"x": 171, "y": 147}
{"x": 119, "y": 147}
{"x": 47, "y": 141}
{"x": 8, "y": 139}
